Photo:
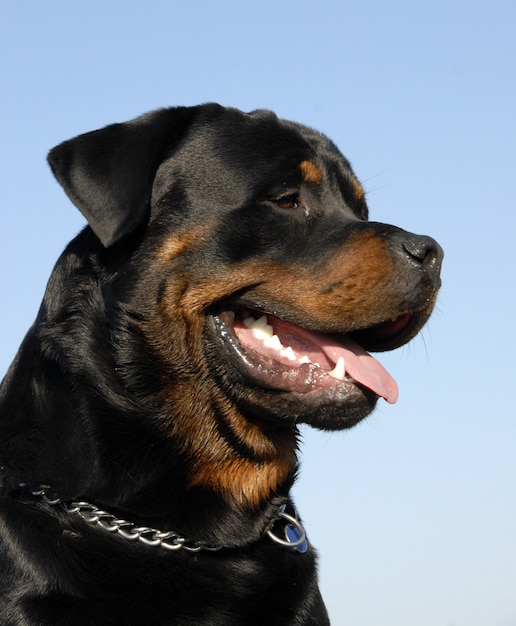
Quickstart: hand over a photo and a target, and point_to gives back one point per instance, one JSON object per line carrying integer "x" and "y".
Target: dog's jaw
{"x": 317, "y": 357}
{"x": 286, "y": 392}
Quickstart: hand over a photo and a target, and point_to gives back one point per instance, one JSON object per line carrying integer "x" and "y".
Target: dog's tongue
{"x": 363, "y": 368}
{"x": 359, "y": 364}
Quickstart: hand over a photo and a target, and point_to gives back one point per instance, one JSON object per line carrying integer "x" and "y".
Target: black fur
{"x": 132, "y": 392}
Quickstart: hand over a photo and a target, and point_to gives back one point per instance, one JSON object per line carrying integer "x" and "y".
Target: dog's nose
{"x": 425, "y": 251}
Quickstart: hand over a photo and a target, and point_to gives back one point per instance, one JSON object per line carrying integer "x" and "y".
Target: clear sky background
{"x": 413, "y": 511}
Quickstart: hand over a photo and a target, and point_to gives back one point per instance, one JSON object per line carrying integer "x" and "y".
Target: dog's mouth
{"x": 278, "y": 355}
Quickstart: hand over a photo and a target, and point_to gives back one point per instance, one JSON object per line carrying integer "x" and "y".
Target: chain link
{"x": 146, "y": 535}
{"x": 294, "y": 536}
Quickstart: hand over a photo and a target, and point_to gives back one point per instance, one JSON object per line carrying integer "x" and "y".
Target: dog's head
{"x": 249, "y": 254}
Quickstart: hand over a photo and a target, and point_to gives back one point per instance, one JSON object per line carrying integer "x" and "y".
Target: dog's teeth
{"x": 261, "y": 334}
{"x": 339, "y": 371}
{"x": 288, "y": 353}
{"x": 261, "y": 322}
{"x": 261, "y": 330}
{"x": 274, "y": 343}
{"x": 264, "y": 332}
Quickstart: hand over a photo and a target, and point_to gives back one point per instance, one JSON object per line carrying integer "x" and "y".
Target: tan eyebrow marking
{"x": 358, "y": 190}
{"x": 311, "y": 172}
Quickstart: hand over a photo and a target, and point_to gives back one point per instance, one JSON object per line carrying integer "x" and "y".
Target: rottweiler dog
{"x": 227, "y": 288}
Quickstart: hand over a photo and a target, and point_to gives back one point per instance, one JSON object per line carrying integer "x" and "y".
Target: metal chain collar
{"x": 294, "y": 533}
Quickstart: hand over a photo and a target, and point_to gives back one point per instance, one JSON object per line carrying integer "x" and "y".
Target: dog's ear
{"x": 108, "y": 173}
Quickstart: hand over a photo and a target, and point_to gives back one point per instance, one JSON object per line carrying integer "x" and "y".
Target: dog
{"x": 227, "y": 288}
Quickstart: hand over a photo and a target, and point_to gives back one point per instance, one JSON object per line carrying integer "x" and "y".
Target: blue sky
{"x": 413, "y": 511}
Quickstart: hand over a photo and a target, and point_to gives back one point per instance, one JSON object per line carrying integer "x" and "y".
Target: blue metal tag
{"x": 293, "y": 535}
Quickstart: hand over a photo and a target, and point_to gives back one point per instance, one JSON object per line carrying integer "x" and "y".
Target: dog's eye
{"x": 291, "y": 201}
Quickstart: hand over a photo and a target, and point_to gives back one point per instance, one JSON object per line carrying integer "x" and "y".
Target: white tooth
{"x": 261, "y": 334}
{"x": 339, "y": 371}
{"x": 261, "y": 322}
{"x": 261, "y": 330}
{"x": 288, "y": 353}
{"x": 305, "y": 359}
{"x": 274, "y": 342}
{"x": 249, "y": 320}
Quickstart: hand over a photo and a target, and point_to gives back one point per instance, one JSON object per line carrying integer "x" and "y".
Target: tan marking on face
{"x": 351, "y": 289}
{"x": 358, "y": 190}
{"x": 311, "y": 172}
{"x": 205, "y": 422}
{"x": 249, "y": 478}
{"x": 179, "y": 243}
{"x": 356, "y": 285}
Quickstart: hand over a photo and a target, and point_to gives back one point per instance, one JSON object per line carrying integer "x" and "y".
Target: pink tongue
{"x": 360, "y": 365}
{"x": 363, "y": 368}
